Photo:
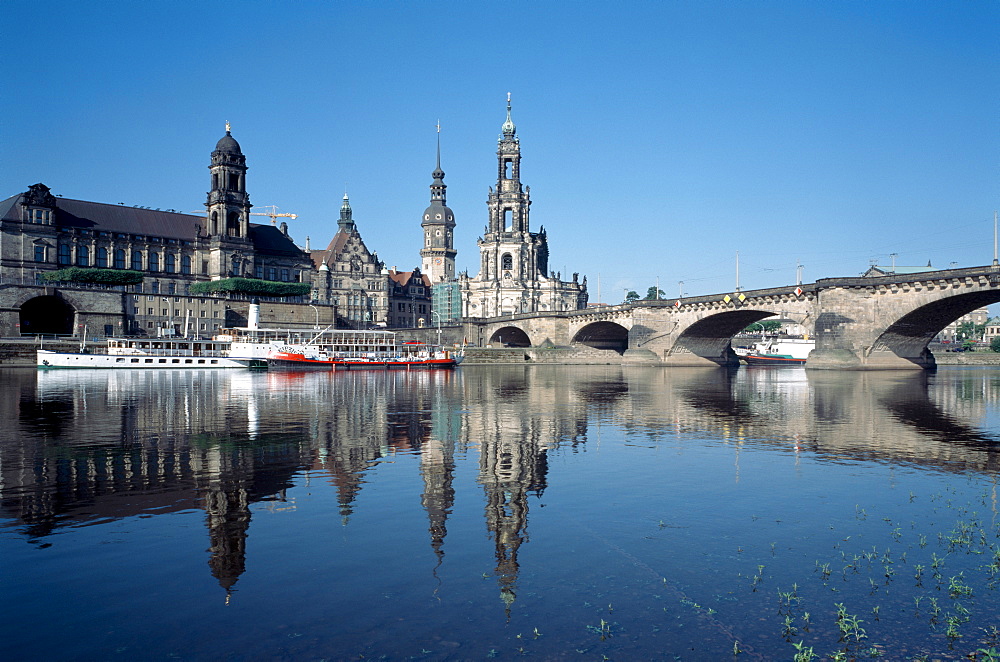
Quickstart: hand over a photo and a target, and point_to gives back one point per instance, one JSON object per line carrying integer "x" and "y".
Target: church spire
{"x": 508, "y": 127}
{"x": 438, "y": 254}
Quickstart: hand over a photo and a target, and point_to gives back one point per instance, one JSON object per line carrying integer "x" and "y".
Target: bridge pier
{"x": 845, "y": 359}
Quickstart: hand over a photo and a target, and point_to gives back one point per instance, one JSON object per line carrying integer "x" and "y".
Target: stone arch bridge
{"x": 863, "y": 323}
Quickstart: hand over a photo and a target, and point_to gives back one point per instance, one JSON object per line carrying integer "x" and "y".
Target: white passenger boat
{"x": 779, "y": 351}
{"x": 151, "y": 353}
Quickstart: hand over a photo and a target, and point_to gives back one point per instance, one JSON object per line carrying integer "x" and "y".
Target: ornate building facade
{"x": 351, "y": 277}
{"x": 41, "y": 232}
{"x": 514, "y": 273}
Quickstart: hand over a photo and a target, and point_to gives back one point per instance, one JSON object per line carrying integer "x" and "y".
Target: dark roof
{"x": 114, "y": 218}
{"x": 70, "y": 213}
{"x": 272, "y": 241}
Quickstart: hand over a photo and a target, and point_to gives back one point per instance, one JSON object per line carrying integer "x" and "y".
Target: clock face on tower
{"x": 437, "y": 260}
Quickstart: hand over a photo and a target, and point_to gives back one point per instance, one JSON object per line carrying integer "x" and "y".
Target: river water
{"x": 555, "y": 513}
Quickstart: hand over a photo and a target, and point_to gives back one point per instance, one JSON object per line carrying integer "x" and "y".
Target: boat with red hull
{"x": 293, "y": 361}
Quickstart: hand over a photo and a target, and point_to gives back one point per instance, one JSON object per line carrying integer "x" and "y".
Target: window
{"x": 171, "y": 288}
{"x": 83, "y": 256}
{"x": 39, "y": 253}
{"x": 102, "y": 257}
{"x": 258, "y": 272}
{"x": 185, "y": 264}
{"x": 272, "y": 274}
{"x": 155, "y": 287}
{"x": 64, "y": 254}
{"x": 154, "y": 261}
{"x": 508, "y": 261}
{"x": 149, "y": 311}
{"x": 204, "y": 266}
{"x": 169, "y": 262}
{"x": 284, "y": 275}
{"x": 137, "y": 260}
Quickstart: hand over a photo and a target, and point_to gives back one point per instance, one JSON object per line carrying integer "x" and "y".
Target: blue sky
{"x": 659, "y": 139}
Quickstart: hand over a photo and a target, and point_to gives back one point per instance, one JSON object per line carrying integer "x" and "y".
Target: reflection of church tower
{"x": 437, "y": 259}
{"x": 511, "y": 469}
{"x": 228, "y": 506}
{"x": 229, "y": 211}
{"x": 437, "y": 466}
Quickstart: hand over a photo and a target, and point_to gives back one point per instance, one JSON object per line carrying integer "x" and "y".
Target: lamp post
{"x": 316, "y": 310}
{"x": 438, "y": 315}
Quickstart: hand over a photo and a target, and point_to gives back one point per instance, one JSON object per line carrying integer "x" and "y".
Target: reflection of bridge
{"x": 875, "y": 323}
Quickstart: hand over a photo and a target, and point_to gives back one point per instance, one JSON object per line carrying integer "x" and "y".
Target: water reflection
{"x": 88, "y": 446}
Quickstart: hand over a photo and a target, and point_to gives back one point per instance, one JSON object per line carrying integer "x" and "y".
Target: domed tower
{"x": 228, "y": 202}
{"x": 438, "y": 254}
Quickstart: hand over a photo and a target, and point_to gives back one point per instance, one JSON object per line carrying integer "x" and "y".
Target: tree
{"x": 995, "y": 344}
{"x": 654, "y": 293}
{"x": 632, "y": 296}
{"x": 767, "y": 326}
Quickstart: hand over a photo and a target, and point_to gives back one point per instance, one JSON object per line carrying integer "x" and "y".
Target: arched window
{"x": 64, "y": 254}
{"x": 154, "y": 261}
{"x": 508, "y": 262}
{"x": 101, "y": 259}
{"x": 185, "y": 264}
{"x": 215, "y": 223}
{"x": 234, "y": 269}
{"x": 137, "y": 260}
{"x": 233, "y": 224}
{"x": 169, "y": 263}
{"x": 83, "y": 256}
{"x": 119, "y": 258}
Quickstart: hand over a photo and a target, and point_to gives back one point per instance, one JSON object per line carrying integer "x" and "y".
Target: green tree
{"x": 654, "y": 293}
{"x": 632, "y": 296}
{"x": 995, "y": 344}
{"x": 766, "y": 326}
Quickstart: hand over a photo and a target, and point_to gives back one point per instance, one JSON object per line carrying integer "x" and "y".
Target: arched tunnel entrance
{"x": 46, "y": 314}
{"x": 604, "y": 336}
{"x": 510, "y": 336}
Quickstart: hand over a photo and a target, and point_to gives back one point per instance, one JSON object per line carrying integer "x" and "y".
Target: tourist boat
{"x": 151, "y": 353}
{"x": 779, "y": 351}
{"x": 335, "y": 349}
{"x": 388, "y": 355}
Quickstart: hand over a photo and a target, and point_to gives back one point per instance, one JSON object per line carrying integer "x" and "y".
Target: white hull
{"x": 48, "y": 359}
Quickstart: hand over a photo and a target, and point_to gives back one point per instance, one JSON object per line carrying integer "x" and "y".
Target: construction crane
{"x": 274, "y": 214}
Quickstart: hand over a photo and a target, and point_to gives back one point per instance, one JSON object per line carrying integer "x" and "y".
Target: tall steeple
{"x": 438, "y": 254}
{"x": 509, "y": 204}
{"x": 228, "y": 202}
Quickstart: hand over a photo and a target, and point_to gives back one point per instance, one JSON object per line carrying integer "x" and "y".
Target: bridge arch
{"x": 909, "y": 335}
{"x": 603, "y": 335}
{"x": 711, "y": 336}
{"x": 47, "y": 314}
{"x": 510, "y": 336}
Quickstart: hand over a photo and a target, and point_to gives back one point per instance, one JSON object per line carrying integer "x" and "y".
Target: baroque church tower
{"x": 514, "y": 262}
{"x": 229, "y": 211}
{"x": 437, "y": 258}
